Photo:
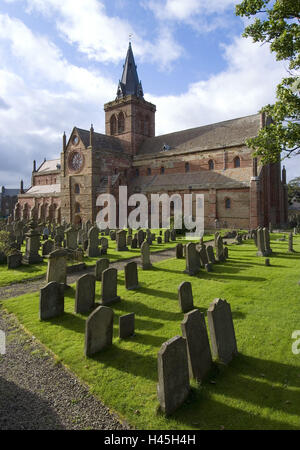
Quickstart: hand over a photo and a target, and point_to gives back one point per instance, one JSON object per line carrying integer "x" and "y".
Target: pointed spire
{"x": 64, "y": 141}
{"x": 91, "y": 135}
{"x": 129, "y": 83}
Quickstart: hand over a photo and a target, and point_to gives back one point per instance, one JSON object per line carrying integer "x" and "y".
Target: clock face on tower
{"x": 76, "y": 161}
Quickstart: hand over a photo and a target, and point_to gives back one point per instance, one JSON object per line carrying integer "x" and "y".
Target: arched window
{"x": 187, "y": 167}
{"x": 148, "y": 171}
{"x": 77, "y": 208}
{"x": 227, "y": 203}
{"x": 113, "y": 125}
{"x": 140, "y": 124}
{"x": 162, "y": 170}
{"x": 237, "y": 162}
{"x": 211, "y": 164}
{"x": 137, "y": 172}
{"x": 121, "y": 123}
{"x": 77, "y": 189}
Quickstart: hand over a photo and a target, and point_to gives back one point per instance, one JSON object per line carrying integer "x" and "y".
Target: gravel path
{"x": 17, "y": 289}
{"x": 38, "y": 394}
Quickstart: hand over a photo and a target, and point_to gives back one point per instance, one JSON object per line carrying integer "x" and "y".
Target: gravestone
{"x": 112, "y": 235}
{"x": 121, "y": 241}
{"x": 203, "y": 256}
{"x": 210, "y": 254}
{"x": 219, "y": 249}
{"x": 173, "y": 375}
{"x": 267, "y": 242}
{"x": 145, "y": 256}
{"x": 226, "y": 253}
{"x": 101, "y": 265}
{"x": 126, "y": 326}
{"x": 14, "y": 261}
{"x": 131, "y": 275}
{"x": 261, "y": 249}
{"x": 185, "y": 297}
{"x": 140, "y": 238}
{"x": 199, "y": 355}
{"x": 166, "y": 236}
{"x": 85, "y": 294}
{"x": 109, "y": 286}
{"x": 173, "y": 235}
{"x": 104, "y": 246}
{"x": 71, "y": 239}
{"x": 192, "y": 259}
{"x": 57, "y": 267}
{"x": 32, "y": 247}
{"x": 179, "y": 251}
{"x": 129, "y": 240}
{"x": 93, "y": 242}
{"x": 208, "y": 267}
{"x": 47, "y": 247}
{"x": 221, "y": 329}
{"x": 159, "y": 240}
{"x": 267, "y": 262}
{"x": 98, "y": 330}
{"x": 291, "y": 249}
{"x": 134, "y": 243}
{"x": 51, "y": 301}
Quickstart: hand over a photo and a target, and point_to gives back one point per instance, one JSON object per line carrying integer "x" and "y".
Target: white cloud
{"x": 102, "y": 38}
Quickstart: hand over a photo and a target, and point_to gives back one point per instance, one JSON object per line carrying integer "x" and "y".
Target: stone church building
{"x": 212, "y": 160}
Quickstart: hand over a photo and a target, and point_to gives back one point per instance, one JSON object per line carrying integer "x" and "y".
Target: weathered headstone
{"x": 173, "y": 375}
{"x": 98, "y": 330}
{"x": 109, "y": 286}
{"x": 185, "y": 297}
{"x": 166, "y": 236}
{"x": 51, "y": 301}
{"x": 173, "y": 235}
{"x": 126, "y": 325}
{"x": 219, "y": 249}
{"x": 131, "y": 275}
{"x": 104, "y": 246}
{"x": 32, "y": 247}
{"x": 179, "y": 251}
{"x": 93, "y": 242}
{"x": 199, "y": 355}
{"x": 121, "y": 241}
{"x": 47, "y": 247}
{"x": 101, "y": 265}
{"x": 221, "y": 329}
{"x": 145, "y": 256}
{"x": 291, "y": 248}
{"x": 192, "y": 259}
{"x": 14, "y": 260}
{"x": 134, "y": 243}
{"x": 210, "y": 254}
{"x": 159, "y": 240}
{"x": 71, "y": 238}
{"x": 85, "y": 294}
{"x": 261, "y": 249}
{"x": 140, "y": 238}
{"x": 57, "y": 266}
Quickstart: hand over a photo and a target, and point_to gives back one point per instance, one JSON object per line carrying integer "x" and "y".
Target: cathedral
{"x": 212, "y": 160}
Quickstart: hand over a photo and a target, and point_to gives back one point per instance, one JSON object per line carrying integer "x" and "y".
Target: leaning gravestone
{"x": 221, "y": 330}
{"x": 101, "y": 265}
{"x": 85, "y": 294}
{"x": 210, "y": 254}
{"x": 57, "y": 266}
{"x": 173, "y": 375}
{"x": 131, "y": 275}
{"x": 109, "y": 286}
{"x": 199, "y": 355}
{"x": 185, "y": 297}
{"x": 126, "y": 326}
{"x": 51, "y": 301}
{"x": 192, "y": 259}
{"x": 93, "y": 242}
{"x": 145, "y": 256}
{"x": 98, "y": 330}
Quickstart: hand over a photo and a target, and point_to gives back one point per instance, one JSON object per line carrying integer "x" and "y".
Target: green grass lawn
{"x": 23, "y": 273}
{"x": 260, "y": 389}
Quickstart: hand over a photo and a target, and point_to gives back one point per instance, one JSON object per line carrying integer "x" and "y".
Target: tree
{"x": 294, "y": 190}
{"x": 278, "y": 25}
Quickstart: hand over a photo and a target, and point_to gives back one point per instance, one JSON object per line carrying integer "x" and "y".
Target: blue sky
{"x": 61, "y": 61}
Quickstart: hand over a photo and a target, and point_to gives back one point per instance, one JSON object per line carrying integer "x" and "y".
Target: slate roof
{"x": 204, "y": 179}
{"x": 49, "y": 166}
{"x": 130, "y": 84}
{"x": 44, "y": 189}
{"x": 9, "y": 192}
{"x": 217, "y": 135}
{"x": 101, "y": 141}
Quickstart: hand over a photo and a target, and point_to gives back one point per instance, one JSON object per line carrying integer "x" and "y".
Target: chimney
{"x": 21, "y": 187}
{"x": 255, "y": 167}
{"x": 34, "y": 166}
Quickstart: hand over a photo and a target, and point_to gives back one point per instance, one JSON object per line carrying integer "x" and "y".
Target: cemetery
{"x": 201, "y": 339}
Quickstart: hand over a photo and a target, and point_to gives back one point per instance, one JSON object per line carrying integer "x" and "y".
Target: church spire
{"x": 130, "y": 84}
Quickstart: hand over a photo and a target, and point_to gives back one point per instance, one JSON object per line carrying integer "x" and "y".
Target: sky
{"x": 60, "y": 62}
